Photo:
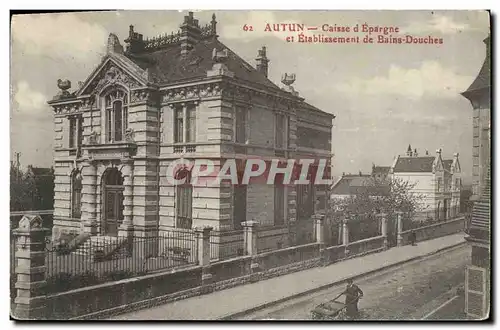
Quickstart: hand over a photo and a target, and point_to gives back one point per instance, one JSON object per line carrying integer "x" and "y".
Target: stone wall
{"x": 435, "y": 230}
{"x": 118, "y": 295}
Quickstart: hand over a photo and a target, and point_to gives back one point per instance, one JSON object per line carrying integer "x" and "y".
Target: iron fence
{"x": 226, "y": 244}
{"x": 101, "y": 259}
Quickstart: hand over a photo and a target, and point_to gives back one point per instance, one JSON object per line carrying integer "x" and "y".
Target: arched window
{"x": 76, "y": 195}
{"x": 184, "y": 200}
{"x": 116, "y": 106}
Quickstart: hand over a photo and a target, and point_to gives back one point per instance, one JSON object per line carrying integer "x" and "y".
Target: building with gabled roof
{"x": 436, "y": 179}
{"x": 182, "y": 95}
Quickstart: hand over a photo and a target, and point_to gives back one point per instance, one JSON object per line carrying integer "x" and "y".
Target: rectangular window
{"x": 184, "y": 206}
{"x": 305, "y": 200}
{"x": 439, "y": 184}
{"x": 240, "y": 127}
{"x": 179, "y": 125}
{"x": 80, "y": 132}
{"x": 191, "y": 124}
{"x": 280, "y": 131}
{"x": 239, "y": 206}
{"x": 279, "y": 205}
{"x": 72, "y": 132}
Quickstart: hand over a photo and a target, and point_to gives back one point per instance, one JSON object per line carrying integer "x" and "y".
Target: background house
{"x": 438, "y": 181}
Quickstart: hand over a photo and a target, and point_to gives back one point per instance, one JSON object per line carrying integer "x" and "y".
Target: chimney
{"x": 360, "y": 174}
{"x": 262, "y": 61}
{"x": 415, "y": 153}
{"x": 134, "y": 42}
{"x": 427, "y": 152}
{"x": 190, "y": 33}
{"x": 114, "y": 45}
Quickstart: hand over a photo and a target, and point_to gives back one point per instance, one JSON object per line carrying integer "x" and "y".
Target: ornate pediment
{"x": 110, "y": 75}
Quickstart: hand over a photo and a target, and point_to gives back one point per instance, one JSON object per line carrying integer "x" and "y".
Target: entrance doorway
{"x": 112, "y": 192}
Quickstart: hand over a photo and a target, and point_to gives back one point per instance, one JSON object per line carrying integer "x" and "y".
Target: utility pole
{"x": 18, "y": 166}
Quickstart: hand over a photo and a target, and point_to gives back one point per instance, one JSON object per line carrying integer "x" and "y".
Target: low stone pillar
{"x": 30, "y": 269}
{"x": 319, "y": 220}
{"x": 250, "y": 230}
{"x": 400, "y": 228}
{"x": 250, "y": 237}
{"x": 203, "y": 244}
{"x": 383, "y": 220}
{"x": 345, "y": 235}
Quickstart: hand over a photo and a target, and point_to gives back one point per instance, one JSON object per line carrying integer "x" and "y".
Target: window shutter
{"x": 476, "y": 292}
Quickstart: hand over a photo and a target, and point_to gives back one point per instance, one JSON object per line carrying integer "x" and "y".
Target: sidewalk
{"x": 225, "y": 303}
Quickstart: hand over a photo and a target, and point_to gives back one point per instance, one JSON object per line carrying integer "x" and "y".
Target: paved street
{"x": 232, "y": 302}
{"x": 411, "y": 291}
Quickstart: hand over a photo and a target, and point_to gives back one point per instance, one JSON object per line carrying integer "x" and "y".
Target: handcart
{"x": 331, "y": 310}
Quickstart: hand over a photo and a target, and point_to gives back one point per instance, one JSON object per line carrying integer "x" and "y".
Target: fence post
{"x": 345, "y": 235}
{"x": 30, "y": 269}
{"x": 251, "y": 248}
{"x": 400, "y": 228}
{"x": 383, "y": 219}
{"x": 320, "y": 236}
{"x": 250, "y": 237}
{"x": 203, "y": 243}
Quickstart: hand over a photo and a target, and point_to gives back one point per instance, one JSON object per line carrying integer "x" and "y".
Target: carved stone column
{"x": 89, "y": 198}
{"x": 127, "y": 227}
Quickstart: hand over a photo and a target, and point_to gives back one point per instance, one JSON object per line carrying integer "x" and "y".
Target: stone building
{"x": 436, "y": 179}
{"x": 181, "y": 95}
{"x": 478, "y": 273}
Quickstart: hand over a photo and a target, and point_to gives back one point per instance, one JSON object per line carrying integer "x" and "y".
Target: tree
{"x": 22, "y": 188}
{"x": 376, "y": 195}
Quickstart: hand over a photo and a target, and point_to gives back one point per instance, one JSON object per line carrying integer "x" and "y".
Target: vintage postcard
{"x": 250, "y": 165}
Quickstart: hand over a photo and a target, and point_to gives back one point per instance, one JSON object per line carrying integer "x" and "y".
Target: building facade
{"x": 436, "y": 179}
{"x": 477, "y": 278}
{"x": 178, "y": 96}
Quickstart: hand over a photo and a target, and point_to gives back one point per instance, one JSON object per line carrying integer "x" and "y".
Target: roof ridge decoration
{"x": 137, "y": 44}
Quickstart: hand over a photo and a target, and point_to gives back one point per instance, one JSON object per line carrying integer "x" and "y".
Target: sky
{"x": 384, "y": 96}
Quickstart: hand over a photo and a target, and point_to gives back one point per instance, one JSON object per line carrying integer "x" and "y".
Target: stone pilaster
{"x": 203, "y": 244}
{"x": 126, "y": 228}
{"x": 89, "y": 198}
{"x": 30, "y": 269}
